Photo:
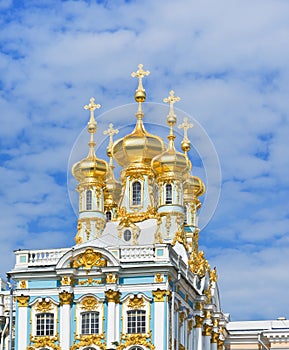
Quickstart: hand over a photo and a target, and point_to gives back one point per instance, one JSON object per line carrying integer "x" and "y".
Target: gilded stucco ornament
{"x": 136, "y": 339}
{"x": 213, "y": 275}
{"x": 112, "y": 296}
{"x": 214, "y": 337}
{"x": 44, "y": 305}
{"x": 126, "y": 219}
{"x": 89, "y": 259}
{"x": 159, "y": 278}
{"x": 159, "y": 295}
{"x": 90, "y": 281}
{"x": 66, "y": 281}
{"x": 198, "y": 263}
{"x": 43, "y": 342}
{"x": 111, "y": 278}
{"x": 136, "y": 302}
{"x": 81, "y": 341}
{"x": 23, "y": 284}
{"x": 89, "y": 303}
{"x": 180, "y": 236}
{"x": 207, "y": 330}
{"x": 22, "y": 300}
{"x": 199, "y": 321}
{"x": 65, "y": 298}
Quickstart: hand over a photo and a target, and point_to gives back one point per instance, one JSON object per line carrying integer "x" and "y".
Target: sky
{"x": 229, "y": 63}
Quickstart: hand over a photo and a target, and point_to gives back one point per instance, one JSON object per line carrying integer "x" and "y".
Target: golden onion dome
{"x": 170, "y": 163}
{"x": 90, "y": 169}
{"x": 193, "y": 187}
{"x": 139, "y": 147}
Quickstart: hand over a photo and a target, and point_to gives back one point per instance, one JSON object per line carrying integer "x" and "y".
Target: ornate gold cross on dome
{"x": 172, "y": 99}
{"x": 140, "y": 73}
{"x": 110, "y": 132}
{"x": 186, "y": 126}
{"x": 92, "y": 106}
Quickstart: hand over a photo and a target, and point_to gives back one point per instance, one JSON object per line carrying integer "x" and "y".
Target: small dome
{"x": 170, "y": 163}
{"x": 139, "y": 147}
{"x": 193, "y": 187}
{"x": 90, "y": 169}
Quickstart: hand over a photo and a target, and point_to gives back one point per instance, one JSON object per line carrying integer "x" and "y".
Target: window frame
{"x": 88, "y": 201}
{"x": 136, "y": 196}
{"x": 44, "y": 328}
{"x": 136, "y": 326}
{"x": 91, "y": 326}
{"x": 168, "y": 193}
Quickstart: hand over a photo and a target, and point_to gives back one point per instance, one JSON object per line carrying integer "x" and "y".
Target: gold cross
{"x": 92, "y": 106}
{"x": 172, "y": 99}
{"x": 140, "y": 73}
{"x": 110, "y": 132}
{"x": 185, "y": 125}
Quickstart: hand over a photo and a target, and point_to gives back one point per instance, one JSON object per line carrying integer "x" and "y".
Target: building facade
{"x": 135, "y": 278}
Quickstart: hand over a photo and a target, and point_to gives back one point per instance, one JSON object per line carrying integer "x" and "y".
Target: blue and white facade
{"x": 135, "y": 279}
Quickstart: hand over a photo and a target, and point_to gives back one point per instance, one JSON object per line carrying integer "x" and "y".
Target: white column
{"x": 159, "y": 316}
{"x": 65, "y": 303}
{"x": 112, "y": 297}
{"x": 198, "y": 344}
{"x": 22, "y": 322}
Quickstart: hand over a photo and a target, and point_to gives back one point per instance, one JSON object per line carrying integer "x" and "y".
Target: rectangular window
{"x": 136, "y": 321}
{"x": 90, "y": 323}
{"x": 44, "y": 324}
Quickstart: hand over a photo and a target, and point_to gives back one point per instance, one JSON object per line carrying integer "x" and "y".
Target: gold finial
{"x": 140, "y": 94}
{"x": 186, "y": 144}
{"x": 110, "y": 132}
{"x": 171, "y": 119}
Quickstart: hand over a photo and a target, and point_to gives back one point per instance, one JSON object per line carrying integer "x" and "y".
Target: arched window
{"x": 136, "y": 321}
{"x": 108, "y": 215}
{"x": 44, "y": 324}
{"x": 90, "y": 322}
{"x": 88, "y": 200}
{"x": 169, "y": 194}
{"x": 136, "y": 193}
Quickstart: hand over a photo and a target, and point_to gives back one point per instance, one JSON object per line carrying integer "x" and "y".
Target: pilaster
{"x": 159, "y": 308}
{"x": 22, "y": 302}
{"x": 112, "y": 297}
{"x": 65, "y": 299}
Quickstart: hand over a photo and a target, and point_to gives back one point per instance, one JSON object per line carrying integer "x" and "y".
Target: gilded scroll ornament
{"x": 65, "y": 298}
{"x": 180, "y": 237}
{"x": 22, "y": 300}
{"x": 136, "y": 302}
{"x": 111, "y": 278}
{"x": 214, "y": 337}
{"x": 89, "y": 303}
{"x": 43, "y": 342}
{"x": 112, "y": 296}
{"x": 82, "y": 341}
{"x": 44, "y": 305}
{"x": 136, "y": 339}
{"x": 89, "y": 259}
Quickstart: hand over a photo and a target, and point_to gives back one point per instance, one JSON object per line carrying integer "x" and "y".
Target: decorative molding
{"x": 65, "y": 298}
{"x": 89, "y": 259}
{"x": 90, "y": 281}
{"x": 136, "y": 302}
{"x": 89, "y": 303}
{"x": 159, "y": 295}
{"x": 22, "y": 300}
{"x": 136, "y": 339}
{"x": 112, "y": 296}
{"x": 44, "y": 305}
{"x": 81, "y": 341}
{"x": 43, "y": 341}
{"x": 207, "y": 330}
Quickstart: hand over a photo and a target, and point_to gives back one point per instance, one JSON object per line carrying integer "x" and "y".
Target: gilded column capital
{"x": 22, "y": 300}
{"x": 199, "y": 321}
{"x": 113, "y": 296}
{"x": 214, "y": 337}
{"x": 159, "y": 295}
{"x": 65, "y": 298}
{"x": 207, "y": 330}
{"x": 220, "y": 344}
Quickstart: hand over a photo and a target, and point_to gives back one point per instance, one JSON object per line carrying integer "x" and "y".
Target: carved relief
{"x": 89, "y": 259}
{"x": 65, "y": 298}
{"x": 198, "y": 263}
{"x": 159, "y": 295}
{"x": 22, "y": 300}
{"x": 23, "y": 284}
{"x": 82, "y": 341}
{"x": 112, "y": 296}
{"x": 136, "y": 302}
{"x": 44, "y": 306}
{"x": 43, "y": 342}
{"x": 136, "y": 339}
{"x": 111, "y": 278}
{"x": 66, "y": 281}
{"x": 89, "y": 303}
{"x": 159, "y": 278}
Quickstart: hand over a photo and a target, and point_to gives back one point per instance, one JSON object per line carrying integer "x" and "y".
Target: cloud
{"x": 229, "y": 64}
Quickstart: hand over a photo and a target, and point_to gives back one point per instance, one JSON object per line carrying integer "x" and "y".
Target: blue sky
{"x": 229, "y": 63}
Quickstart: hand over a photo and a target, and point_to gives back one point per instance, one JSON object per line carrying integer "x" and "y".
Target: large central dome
{"x": 139, "y": 147}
